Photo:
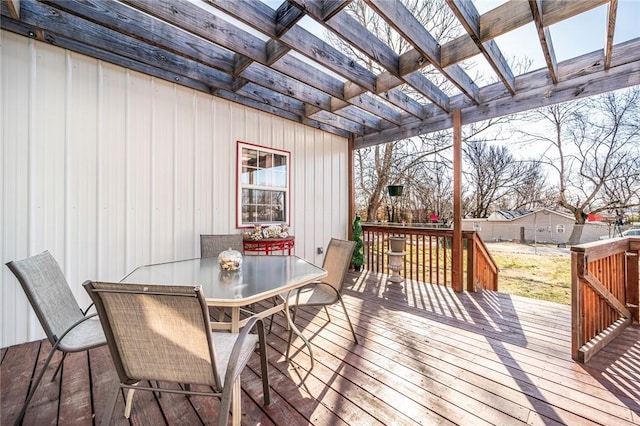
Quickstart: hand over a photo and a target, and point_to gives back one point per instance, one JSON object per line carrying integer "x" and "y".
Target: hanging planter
{"x": 395, "y": 190}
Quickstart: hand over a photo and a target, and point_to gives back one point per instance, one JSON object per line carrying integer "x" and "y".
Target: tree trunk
{"x": 576, "y": 234}
{"x": 578, "y": 226}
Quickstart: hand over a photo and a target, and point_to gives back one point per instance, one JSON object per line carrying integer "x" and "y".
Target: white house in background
{"x": 532, "y": 226}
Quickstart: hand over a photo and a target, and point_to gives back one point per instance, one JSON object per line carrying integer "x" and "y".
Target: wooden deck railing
{"x": 604, "y": 293}
{"x": 428, "y": 255}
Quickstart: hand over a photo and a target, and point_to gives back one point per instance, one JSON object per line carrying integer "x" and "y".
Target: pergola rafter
{"x": 278, "y": 66}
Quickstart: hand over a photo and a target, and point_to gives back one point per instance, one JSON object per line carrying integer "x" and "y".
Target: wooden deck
{"x": 426, "y": 356}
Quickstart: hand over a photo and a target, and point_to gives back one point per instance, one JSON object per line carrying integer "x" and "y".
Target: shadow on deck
{"x": 427, "y": 356}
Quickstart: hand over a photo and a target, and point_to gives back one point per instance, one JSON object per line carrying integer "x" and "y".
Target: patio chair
{"x": 213, "y": 245}
{"x": 161, "y": 333}
{"x": 328, "y": 291}
{"x": 64, "y": 322}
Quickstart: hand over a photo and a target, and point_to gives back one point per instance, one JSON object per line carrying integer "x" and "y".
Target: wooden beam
{"x": 469, "y": 17}
{"x": 608, "y": 335}
{"x": 14, "y": 8}
{"x": 351, "y": 184}
{"x": 403, "y": 21}
{"x": 57, "y": 21}
{"x": 350, "y": 29}
{"x": 587, "y": 78}
{"x": 456, "y": 245}
{"x": 192, "y": 18}
{"x": 335, "y": 120}
{"x": 262, "y": 18}
{"x": 508, "y": 17}
{"x": 545, "y": 40}
{"x": 331, "y": 7}
{"x": 599, "y": 288}
{"x": 130, "y": 22}
{"x": 611, "y": 28}
{"x": 183, "y": 42}
{"x": 368, "y": 103}
{"x": 20, "y": 27}
{"x": 256, "y": 71}
{"x": 287, "y": 16}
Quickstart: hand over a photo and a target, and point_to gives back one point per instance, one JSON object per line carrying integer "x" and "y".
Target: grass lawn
{"x": 539, "y": 276}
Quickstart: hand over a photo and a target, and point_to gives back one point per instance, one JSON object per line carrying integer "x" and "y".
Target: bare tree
{"x": 593, "y": 146}
{"x": 422, "y": 164}
{"x": 494, "y": 176}
{"x": 381, "y": 165}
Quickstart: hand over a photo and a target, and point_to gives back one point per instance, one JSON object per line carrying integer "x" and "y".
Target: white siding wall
{"x": 109, "y": 169}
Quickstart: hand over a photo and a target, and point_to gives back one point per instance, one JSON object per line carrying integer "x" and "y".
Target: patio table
{"x": 260, "y": 278}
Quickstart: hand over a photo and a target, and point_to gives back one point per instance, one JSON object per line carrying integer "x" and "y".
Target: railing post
{"x": 632, "y": 261}
{"x": 577, "y": 272}
{"x": 456, "y": 243}
{"x": 472, "y": 266}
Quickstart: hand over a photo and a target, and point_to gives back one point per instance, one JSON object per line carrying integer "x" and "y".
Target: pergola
{"x": 249, "y": 53}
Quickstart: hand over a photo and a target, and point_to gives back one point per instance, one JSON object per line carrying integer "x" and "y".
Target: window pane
{"x": 280, "y": 178}
{"x": 268, "y": 170}
{"x": 248, "y": 213}
{"x": 249, "y": 157}
{"x": 262, "y": 159}
{"x": 279, "y": 160}
{"x": 248, "y": 175}
{"x": 260, "y": 177}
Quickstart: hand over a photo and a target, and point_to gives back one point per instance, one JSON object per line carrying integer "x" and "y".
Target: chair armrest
{"x": 87, "y": 310}
{"x": 314, "y": 284}
{"x": 320, "y": 283}
{"x": 74, "y": 325}
{"x": 233, "y": 368}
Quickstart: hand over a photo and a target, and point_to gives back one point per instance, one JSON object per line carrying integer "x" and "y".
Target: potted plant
{"x": 357, "y": 260}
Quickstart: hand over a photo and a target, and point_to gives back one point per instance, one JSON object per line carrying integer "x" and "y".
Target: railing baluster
{"x": 427, "y": 248}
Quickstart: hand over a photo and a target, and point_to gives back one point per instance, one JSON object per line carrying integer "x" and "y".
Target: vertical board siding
{"x": 15, "y": 185}
{"x": 109, "y": 169}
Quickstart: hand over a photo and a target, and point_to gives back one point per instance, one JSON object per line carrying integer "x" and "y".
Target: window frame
{"x": 241, "y": 186}
{"x": 560, "y": 228}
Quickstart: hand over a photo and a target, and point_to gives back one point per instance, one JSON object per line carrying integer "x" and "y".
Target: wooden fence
{"x": 428, "y": 255}
{"x": 604, "y": 293}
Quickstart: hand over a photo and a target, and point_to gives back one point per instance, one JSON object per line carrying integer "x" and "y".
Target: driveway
{"x": 528, "y": 248}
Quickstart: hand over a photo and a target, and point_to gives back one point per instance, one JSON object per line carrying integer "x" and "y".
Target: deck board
{"x": 426, "y": 356}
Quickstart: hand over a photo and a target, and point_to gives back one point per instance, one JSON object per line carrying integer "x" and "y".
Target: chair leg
{"x": 35, "y": 384}
{"x": 129, "y": 404}
{"x": 327, "y": 311}
{"x": 111, "y": 403}
{"x": 59, "y": 366}
{"x": 275, "y": 302}
{"x": 346, "y": 314}
{"x": 264, "y": 363}
{"x": 225, "y": 404}
{"x": 293, "y": 320}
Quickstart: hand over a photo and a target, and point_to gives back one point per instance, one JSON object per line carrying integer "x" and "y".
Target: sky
{"x": 573, "y": 37}
{"x": 581, "y": 34}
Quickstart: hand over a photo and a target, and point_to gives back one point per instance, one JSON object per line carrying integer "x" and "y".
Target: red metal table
{"x": 268, "y": 245}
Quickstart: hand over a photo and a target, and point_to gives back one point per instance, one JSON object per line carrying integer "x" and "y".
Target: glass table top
{"x": 259, "y": 278}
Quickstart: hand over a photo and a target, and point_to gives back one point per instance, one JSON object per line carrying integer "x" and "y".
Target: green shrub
{"x": 357, "y": 260}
